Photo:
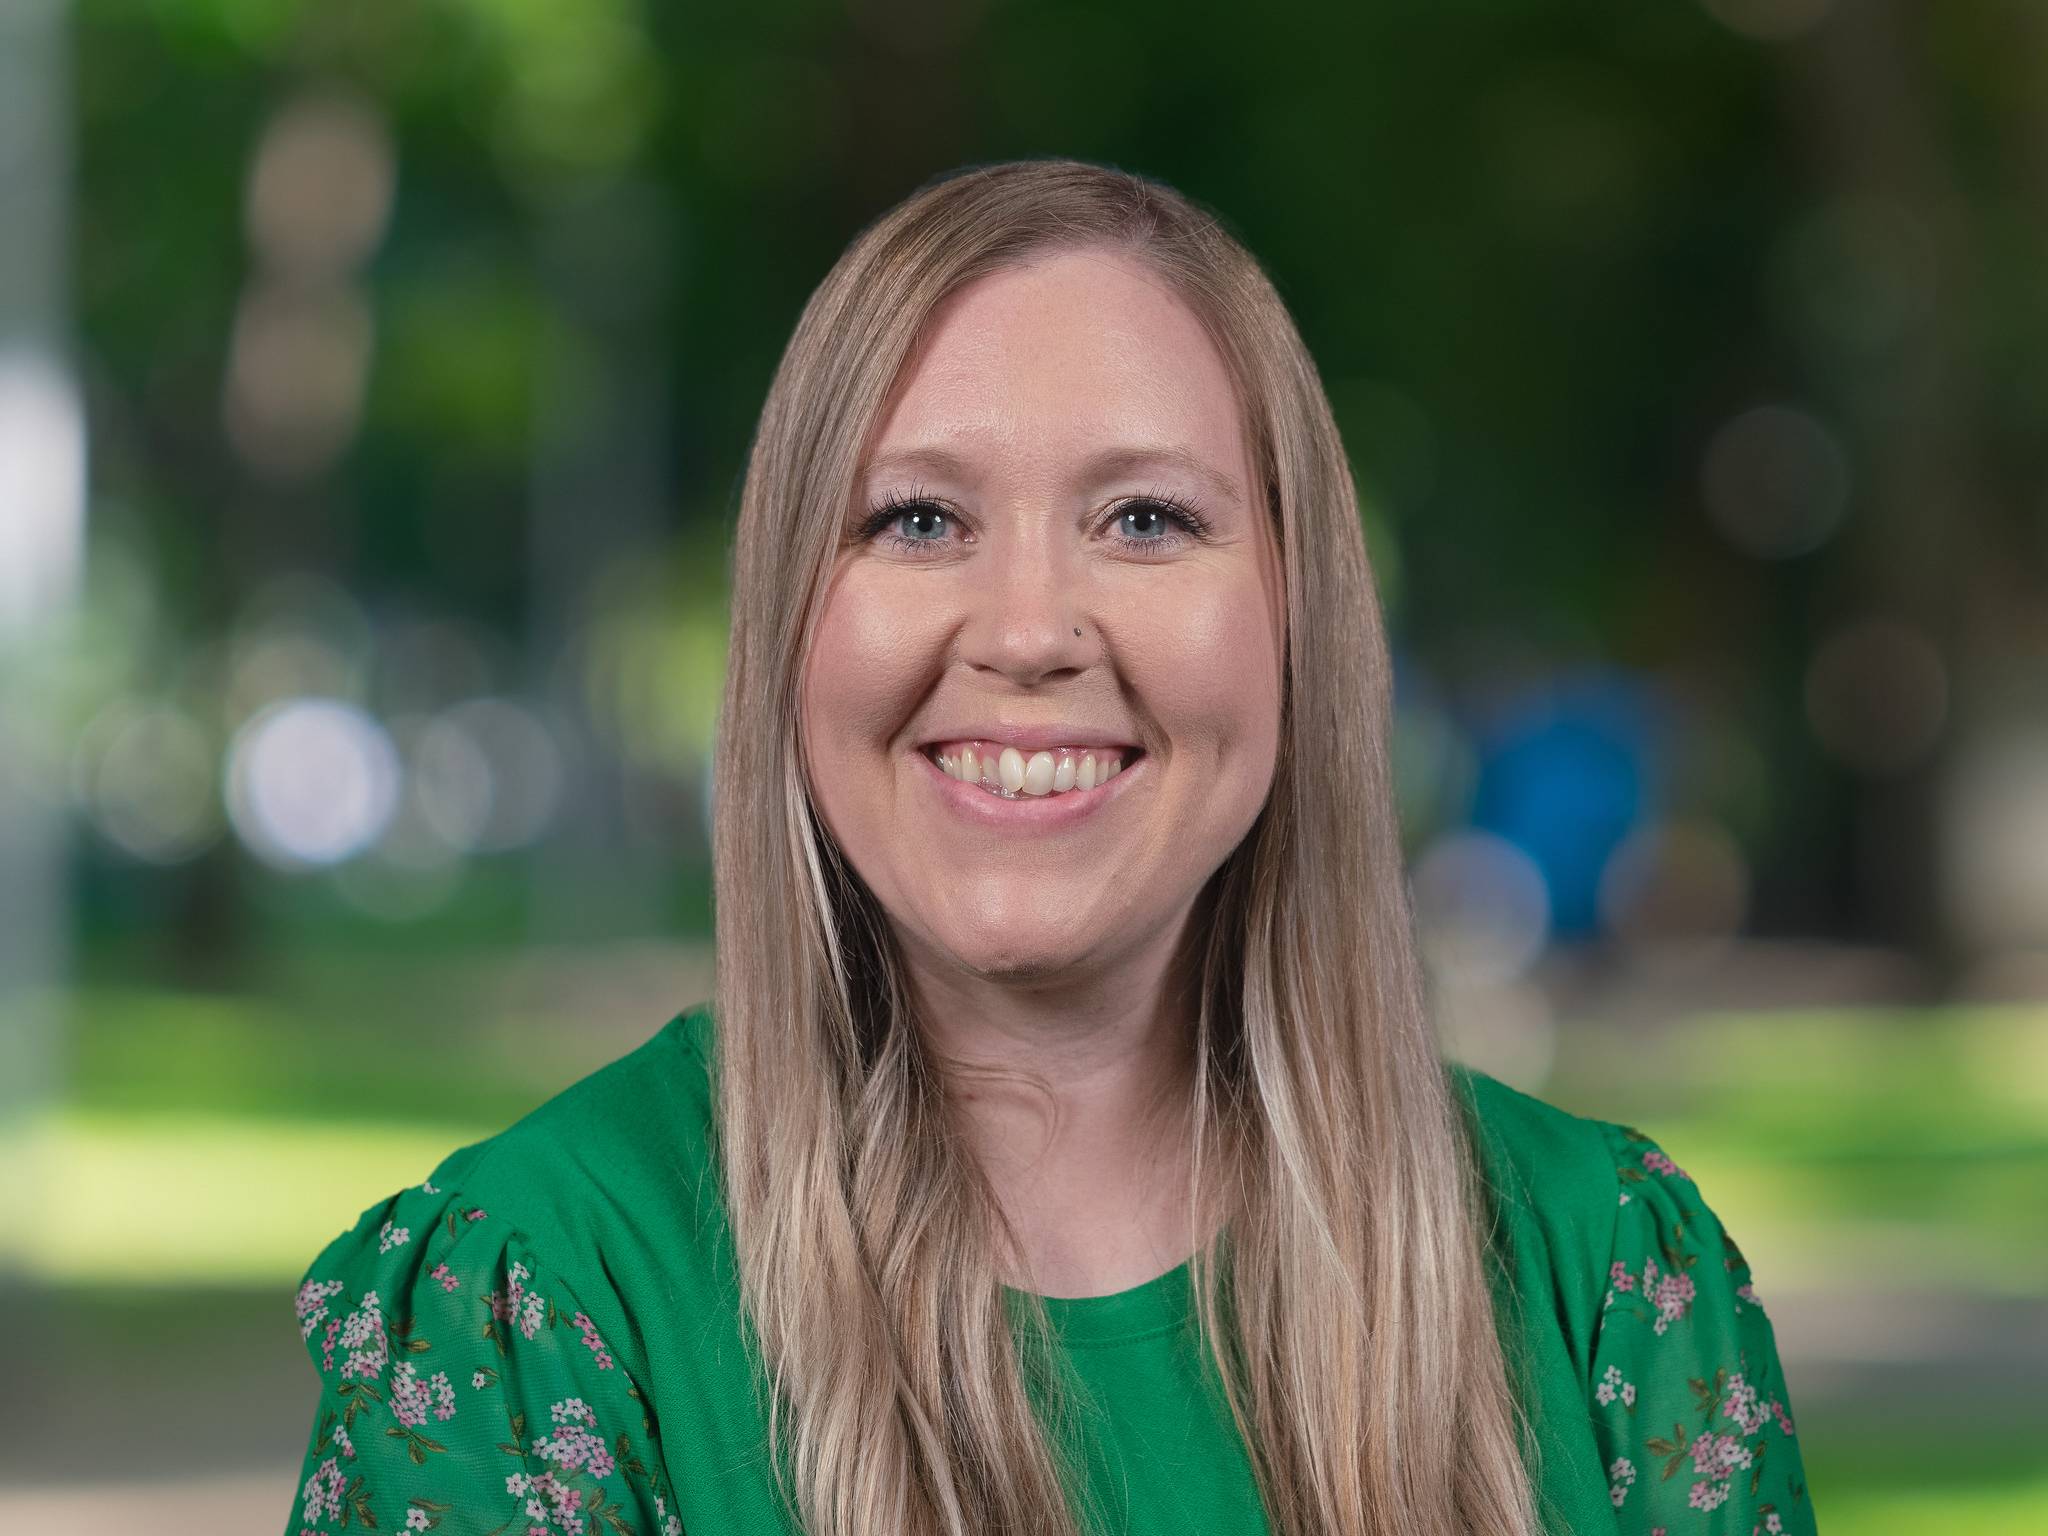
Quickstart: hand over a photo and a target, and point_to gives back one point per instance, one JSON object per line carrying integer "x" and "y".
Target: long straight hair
{"x": 1345, "y": 1305}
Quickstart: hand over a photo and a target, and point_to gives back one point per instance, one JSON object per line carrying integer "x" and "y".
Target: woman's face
{"x": 1030, "y": 586}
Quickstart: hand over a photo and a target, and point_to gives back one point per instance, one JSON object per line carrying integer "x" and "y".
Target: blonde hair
{"x": 1346, "y": 1306}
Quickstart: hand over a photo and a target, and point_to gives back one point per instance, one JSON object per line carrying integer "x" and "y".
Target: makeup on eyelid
{"x": 1185, "y": 514}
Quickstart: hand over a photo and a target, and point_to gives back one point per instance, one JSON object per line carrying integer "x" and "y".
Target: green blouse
{"x": 544, "y": 1337}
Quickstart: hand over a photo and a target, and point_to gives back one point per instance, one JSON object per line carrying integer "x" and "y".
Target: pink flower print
{"x": 1611, "y": 1386}
{"x": 479, "y": 1380}
{"x": 327, "y": 1344}
{"x": 476, "y": 1213}
{"x": 1624, "y": 1198}
{"x": 321, "y": 1499}
{"x": 1621, "y": 1477}
{"x": 1742, "y": 1405}
{"x": 412, "y": 1399}
{"x": 427, "y": 1187}
{"x": 595, "y": 1344}
{"x": 565, "y": 1501}
{"x": 1619, "y": 1277}
{"x": 1674, "y": 1295}
{"x": 1657, "y": 1162}
{"x": 408, "y": 1396}
{"x": 1708, "y": 1496}
{"x": 506, "y": 1307}
{"x": 390, "y": 1237}
{"x": 363, "y": 1333}
{"x": 311, "y": 1304}
{"x": 417, "y": 1519}
{"x": 446, "y": 1276}
{"x": 1747, "y": 1291}
{"x": 574, "y": 1443}
{"x": 348, "y": 1446}
{"x": 1784, "y": 1418}
{"x": 1715, "y": 1455}
{"x": 527, "y": 1309}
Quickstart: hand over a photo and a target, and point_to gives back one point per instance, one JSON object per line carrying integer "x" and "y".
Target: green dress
{"x": 543, "y": 1337}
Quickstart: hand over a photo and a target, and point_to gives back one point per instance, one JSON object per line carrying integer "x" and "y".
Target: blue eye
{"x": 1152, "y": 509}
{"x": 917, "y": 509}
{"x": 1170, "y": 523}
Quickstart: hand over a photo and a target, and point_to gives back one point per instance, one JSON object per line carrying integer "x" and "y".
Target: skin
{"x": 1050, "y": 969}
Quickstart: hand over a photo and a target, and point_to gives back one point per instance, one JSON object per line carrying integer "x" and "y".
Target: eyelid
{"x": 1192, "y": 526}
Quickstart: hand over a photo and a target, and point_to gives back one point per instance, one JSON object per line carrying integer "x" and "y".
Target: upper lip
{"x": 1030, "y": 738}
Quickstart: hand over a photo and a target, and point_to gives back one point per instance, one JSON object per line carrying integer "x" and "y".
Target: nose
{"x": 1028, "y": 619}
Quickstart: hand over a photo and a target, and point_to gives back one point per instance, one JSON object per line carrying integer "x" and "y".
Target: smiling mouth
{"x": 1012, "y": 774}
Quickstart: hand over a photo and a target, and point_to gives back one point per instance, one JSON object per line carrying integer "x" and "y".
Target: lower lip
{"x": 1030, "y": 813}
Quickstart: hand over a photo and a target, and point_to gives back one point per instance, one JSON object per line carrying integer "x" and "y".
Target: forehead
{"x": 1080, "y": 350}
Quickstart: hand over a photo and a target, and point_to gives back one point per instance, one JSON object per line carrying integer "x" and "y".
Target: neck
{"x": 1074, "y": 1095}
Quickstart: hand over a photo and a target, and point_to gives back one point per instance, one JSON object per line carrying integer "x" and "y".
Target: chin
{"x": 1027, "y": 953}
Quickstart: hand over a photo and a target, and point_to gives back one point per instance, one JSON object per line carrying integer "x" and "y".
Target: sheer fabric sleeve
{"x": 464, "y": 1390}
{"x": 1688, "y": 1396}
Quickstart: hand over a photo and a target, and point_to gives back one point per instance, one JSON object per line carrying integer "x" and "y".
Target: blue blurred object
{"x": 1566, "y": 772}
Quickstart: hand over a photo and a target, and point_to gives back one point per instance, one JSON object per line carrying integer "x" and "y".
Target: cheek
{"x": 866, "y": 667}
{"x": 1210, "y": 670}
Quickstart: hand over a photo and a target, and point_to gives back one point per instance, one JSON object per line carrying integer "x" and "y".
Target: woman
{"x": 1067, "y": 1146}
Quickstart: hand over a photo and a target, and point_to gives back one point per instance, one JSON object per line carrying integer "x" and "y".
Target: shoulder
{"x": 605, "y": 1188}
{"x": 633, "y": 1132}
{"x": 1552, "y": 1182}
{"x": 1558, "y": 1165}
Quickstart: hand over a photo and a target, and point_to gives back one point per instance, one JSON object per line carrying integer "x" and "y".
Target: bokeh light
{"x": 42, "y": 486}
{"x": 311, "y": 782}
{"x": 1877, "y": 695}
{"x": 1482, "y": 909}
{"x": 147, "y": 775}
{"x": 1775, "y": 481}
{"x": 490, "y": 775}
{"x": 1675, "y": 881}
{"x": 298, "y": 361}
{"x": 320, "y": 186}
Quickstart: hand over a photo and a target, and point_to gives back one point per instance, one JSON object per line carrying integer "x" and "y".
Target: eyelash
{"x": 1194, "y": 526}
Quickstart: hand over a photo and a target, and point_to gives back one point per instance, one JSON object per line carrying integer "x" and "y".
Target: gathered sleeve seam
{"x": 363, "y": 1355}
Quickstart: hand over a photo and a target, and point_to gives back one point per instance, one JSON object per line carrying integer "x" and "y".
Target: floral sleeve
{"x": 463, "y": 1389}
{"x": 1688, "y": 1396}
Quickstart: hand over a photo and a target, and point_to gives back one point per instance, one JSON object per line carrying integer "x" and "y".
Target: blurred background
{"x": 375, "y": 382}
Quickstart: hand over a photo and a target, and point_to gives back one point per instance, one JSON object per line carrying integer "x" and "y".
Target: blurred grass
{"x": 1889, "y": 1148}
{"x": 190, "y": 1199}
{"x": 1901, "y": 1476}
{"x": 1883, "y": 1149}
{"x": 211, "y": 1141}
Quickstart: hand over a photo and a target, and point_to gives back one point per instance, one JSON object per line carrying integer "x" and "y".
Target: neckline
{"x": 1158, "y": 1305}
{"x": 1154, "y": 1306}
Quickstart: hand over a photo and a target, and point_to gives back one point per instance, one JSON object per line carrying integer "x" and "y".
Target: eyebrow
{"x": 1102, "y": 466}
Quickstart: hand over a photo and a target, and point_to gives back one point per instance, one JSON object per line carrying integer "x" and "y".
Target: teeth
{"x": 1010, "y": 773}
